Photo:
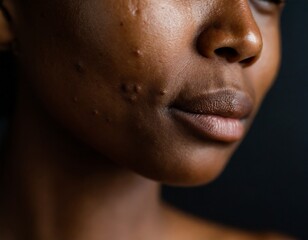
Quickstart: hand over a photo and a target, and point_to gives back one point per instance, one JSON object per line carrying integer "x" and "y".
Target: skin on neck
{"x": 59, "y": 189}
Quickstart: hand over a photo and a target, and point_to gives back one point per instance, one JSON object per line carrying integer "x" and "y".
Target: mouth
{"x": 220, "y": 116}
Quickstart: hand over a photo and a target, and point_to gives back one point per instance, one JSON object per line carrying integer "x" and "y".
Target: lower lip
{"x": 212, "y": 126}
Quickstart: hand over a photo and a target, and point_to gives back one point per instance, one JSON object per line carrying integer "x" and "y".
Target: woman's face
{"x": 166, "y": 88}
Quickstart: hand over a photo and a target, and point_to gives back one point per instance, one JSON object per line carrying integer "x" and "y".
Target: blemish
{"x": 79, "y": 67}
{"x": 134, "y": 7}
{"x": 137, "y": 53}
{"x": 95, "y": 112}
{"x": 162, "y": 92}
{"x": 130, "y": 91}
{"x": 124, "y": 88}
{"x": 121, "y": 24}
{"x": 135, "y": 12}
{"x": 137, "y": 89}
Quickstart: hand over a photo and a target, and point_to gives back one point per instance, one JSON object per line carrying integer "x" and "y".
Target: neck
{"x": 57, "y": 188}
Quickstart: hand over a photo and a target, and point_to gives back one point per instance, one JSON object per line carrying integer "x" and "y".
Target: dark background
{"x": 265, "y": 186}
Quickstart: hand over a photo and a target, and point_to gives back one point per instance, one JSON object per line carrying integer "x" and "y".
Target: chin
{"x": 186, "y": 169}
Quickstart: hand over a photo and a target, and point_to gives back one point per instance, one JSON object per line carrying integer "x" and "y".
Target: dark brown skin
{"x": 93, "y": 122}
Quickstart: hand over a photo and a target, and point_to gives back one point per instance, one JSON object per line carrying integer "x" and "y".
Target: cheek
{"x": 137, "y": 45}
{"x": 89, "y": 69}
{"x": 141, "y": 35}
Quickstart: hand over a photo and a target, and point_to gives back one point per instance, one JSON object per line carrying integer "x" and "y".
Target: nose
{"x": 233, "y": 36}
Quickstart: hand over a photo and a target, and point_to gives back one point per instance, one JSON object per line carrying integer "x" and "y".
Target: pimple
{"x": 137, "y": 53}
{"x": 136, "y": 12}
{"x": 162, "y": 92}
{"x": 130, "y": 88}
{"x": 130, "y": 91}
{"x": 95, "y": 112}
{"x": 137, "y": 89}
{"x": 134, "y": 7}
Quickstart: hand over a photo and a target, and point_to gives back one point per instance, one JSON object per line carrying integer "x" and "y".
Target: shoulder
{"x": 184, "y": 226}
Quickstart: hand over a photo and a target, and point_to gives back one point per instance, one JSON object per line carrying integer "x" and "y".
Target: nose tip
{"x": 238, "y": 40}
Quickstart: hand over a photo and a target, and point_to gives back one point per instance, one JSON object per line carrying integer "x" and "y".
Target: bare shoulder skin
{"x": 115, "y": 97}
{"x": 189, "y": 227}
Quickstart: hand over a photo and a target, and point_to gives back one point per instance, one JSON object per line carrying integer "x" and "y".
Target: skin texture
{"x": 93, "y": 121}
{"x": 113, "y": 91}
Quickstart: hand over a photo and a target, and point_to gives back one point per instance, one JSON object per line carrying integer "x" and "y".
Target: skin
{"x": 92, "y": 134}
{"x": 112, "y": 91}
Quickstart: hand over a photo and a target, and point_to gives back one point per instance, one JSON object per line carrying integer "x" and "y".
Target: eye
{"x": 269, "y": 6}
{"x": 274, "y": 1}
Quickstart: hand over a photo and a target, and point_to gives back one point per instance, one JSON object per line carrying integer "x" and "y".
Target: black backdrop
{"x": 265, "y": 186}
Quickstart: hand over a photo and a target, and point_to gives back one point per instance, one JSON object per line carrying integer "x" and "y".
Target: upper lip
{"x": 226, "y": 103}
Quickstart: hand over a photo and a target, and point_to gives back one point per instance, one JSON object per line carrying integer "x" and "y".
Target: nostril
{"x": 232, "y": 55}
{"x": 228, "y": 53}
{"x": 248, "y": 61}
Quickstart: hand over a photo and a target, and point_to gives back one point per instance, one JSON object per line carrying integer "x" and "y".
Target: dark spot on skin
{"x": 124, "y": 88}
{"x": 121, "y": 24}
{"x": 79, "y": 67}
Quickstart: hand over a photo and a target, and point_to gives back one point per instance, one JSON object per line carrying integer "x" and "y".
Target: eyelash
{"x": 278, "y": 2}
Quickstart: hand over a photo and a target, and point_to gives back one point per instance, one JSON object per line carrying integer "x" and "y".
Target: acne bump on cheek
{"x": 130, "y": 91}
{"x": 162, "y": 92}
{"x": 137, "y": 53}
{"x": 134, "y": 7}
{"x": 95, "y": 112}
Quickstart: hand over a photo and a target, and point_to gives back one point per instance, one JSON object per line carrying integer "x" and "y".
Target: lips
{"x": 218, "y": 115}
